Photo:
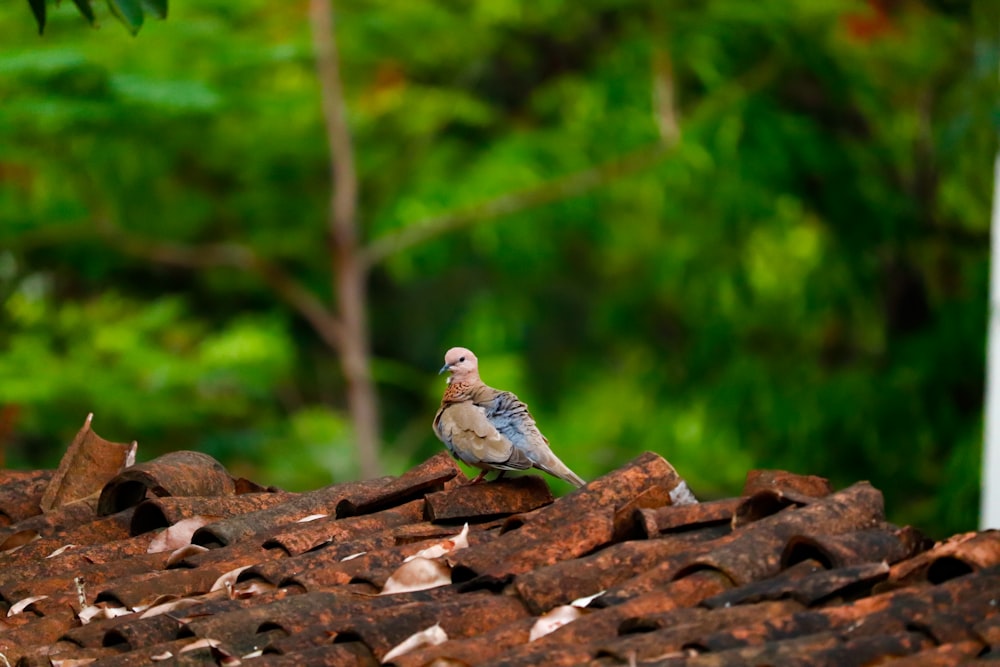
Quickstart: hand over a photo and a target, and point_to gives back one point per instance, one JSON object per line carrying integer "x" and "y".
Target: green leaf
{"x": 86, "y": 10}
{"x": 157, "y": 8}
{"x": 38, "y": 9}
{"x": 129, "y": 12}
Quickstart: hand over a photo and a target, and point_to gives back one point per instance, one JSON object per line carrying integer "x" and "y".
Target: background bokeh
{"x": 740, "y": 234}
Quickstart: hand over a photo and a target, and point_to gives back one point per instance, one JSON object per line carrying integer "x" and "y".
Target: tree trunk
{"x": 349, "y": 271}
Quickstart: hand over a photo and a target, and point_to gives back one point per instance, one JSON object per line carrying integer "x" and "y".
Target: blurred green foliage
{"x": 799, "y": 282}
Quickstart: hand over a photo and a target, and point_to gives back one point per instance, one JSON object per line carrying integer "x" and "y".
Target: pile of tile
{"x": 173, "y": 562}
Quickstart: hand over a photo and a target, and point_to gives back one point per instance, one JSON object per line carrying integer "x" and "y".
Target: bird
{"x": 488, "y": 428}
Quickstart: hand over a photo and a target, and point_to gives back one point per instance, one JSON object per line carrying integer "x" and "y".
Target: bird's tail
{"x": 557, "y": 468}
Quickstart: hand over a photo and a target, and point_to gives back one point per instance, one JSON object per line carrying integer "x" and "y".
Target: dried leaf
{"x": 101, "y": 611}
{"x": 249, "y": 589}
{"x": 554, "y": 620}
{"x": 432, "y": 636}
{"x": 70, "y": 662}
{"x": 418, "y": 574}
{"x": 88, "y": 464}
{"x": 61, "y": 550}
{"x": 200, "y": 643}
{"x": 584, "y": 601}
{"x": 170, "y": 606}
{"x": 185, "y": 551}
{"x": 228, "y": 580}
{"x": 21, "y": 605}
{"x": 460, "y": 541}
{"x": 178, "y": 535}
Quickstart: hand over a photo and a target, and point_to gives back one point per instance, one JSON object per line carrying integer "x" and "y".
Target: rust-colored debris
{"x": 179, "y": 565}
{"x": 86, "y": 467}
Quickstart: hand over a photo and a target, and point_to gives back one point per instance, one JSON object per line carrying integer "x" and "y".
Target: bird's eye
{"x": 461, "y": 359}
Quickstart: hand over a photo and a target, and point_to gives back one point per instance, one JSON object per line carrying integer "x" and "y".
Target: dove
{"x": 488, "y": 428}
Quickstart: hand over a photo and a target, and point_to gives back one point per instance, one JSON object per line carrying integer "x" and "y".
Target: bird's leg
{"x": 479, "y": 478}
{"x": 500, "y": 476}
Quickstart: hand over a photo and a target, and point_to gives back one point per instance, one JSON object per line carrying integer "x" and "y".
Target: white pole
{"x": 989, "y": 510}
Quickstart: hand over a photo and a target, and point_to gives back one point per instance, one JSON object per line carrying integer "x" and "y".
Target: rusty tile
{"x": 790, "y": 580}
{"x": 989, "y": 631}
{"x": 482, "y": 647}
{"x": 142, "y": 589}
{"x": 687, "y": 517}
{"x": 560, "y": 583}
{"x": 968, "y": 597}
{"x": 154, "y": 655}
{"x": 91, "y": 573}
{"x": 302, "y": 537}
{"x": 884, "y": 543}
{"x": 812, "y": 650}
{"x": 320, "y": 570}
{"x": 660, "y": 574}
{"x": 527, "y": 548}
{"x": 486, "y": 501}
{"x": 163, "y": 512}
{"x": 417, "y": 482}
{"x": 20, "y": 494}
{"x": 462, "y": 616}
{"x": 755, "y": 551}
{"x": 182, "y": 473}
{"x": 852, "y": 581}
{"x": 134, "y": 632}
{"x": 786, "y": 482}
{"x": 679, "y": 629}
{"x": 348, "y": 654}
{"x": 945, "y": 655}
{"x": 98, "y": 532}
{"x": 44, "y": 525}
{"x": 969, "y": 552}
{"x": 322, "y": 501}
{"x": 35, "y": 636}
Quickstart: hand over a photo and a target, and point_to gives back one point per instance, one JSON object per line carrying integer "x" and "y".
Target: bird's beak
{"x": 446, "y": 367}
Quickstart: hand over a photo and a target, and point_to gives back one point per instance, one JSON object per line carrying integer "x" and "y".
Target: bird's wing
{"x": 465, "y": 429}
{"x": 511, "y": 417}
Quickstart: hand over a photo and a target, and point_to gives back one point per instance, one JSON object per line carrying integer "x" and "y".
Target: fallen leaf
{"x": 60, "y": 550}
{"x": 554, "y": 620}
{"x": 177, "y": 535}
{"x": 185, "y": 551}
{"x": 21, "y": 605}
{"x": 101, "y": 611}
{"x": 460, "y": 541}
{"x": 584, "y": 601}
{"x": 228, "y": 580}
{"x": 432, "y": 636}
{"x": 418, "y": 574}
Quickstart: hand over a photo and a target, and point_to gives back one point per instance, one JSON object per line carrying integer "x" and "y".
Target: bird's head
{"x": 462, "y": 364}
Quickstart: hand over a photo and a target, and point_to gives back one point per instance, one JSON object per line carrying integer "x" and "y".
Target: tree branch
{"x": 566, "y": 187}
{"x": 230, "y": 255}
{"x": 572, "y": 185}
